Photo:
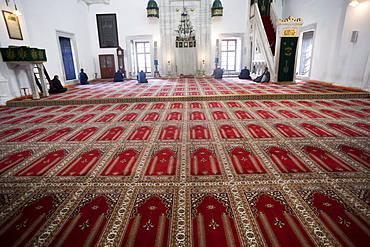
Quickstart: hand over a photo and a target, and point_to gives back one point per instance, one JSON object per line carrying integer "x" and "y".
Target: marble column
{"x": 31, "y": 79}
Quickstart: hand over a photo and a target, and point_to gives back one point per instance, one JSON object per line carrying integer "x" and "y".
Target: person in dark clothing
{"x": 217, "y": 73}
{"x": 265, "y": 77}
{"x": 56, "y": 86}
{"x": 141, "y": 77}
{"x": 118, "y": 76}
{"x": 244, "y": 73}
{"x": 82, "y": 76}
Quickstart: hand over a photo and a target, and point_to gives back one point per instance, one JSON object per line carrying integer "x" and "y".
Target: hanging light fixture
{"x": 217, "y": 9}
{"x": 185, "y": 34}
{"x": 354, "y": 3}
{"x": 152, "y": 9}
{"x": 16, "y": 11}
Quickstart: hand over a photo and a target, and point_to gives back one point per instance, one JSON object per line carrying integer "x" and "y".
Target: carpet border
{"x": 188, "y": 98}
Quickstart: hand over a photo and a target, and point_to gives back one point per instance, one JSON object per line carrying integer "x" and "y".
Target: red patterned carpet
{"x": 189, "y": 89}
{"x": 186, "y": 172}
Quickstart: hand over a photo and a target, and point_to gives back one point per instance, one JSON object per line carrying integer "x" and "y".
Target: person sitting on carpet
{"x": 141, "y": 77}
{"x": 264, "y": 78}
{"x": 82, "y": 76}
{"x": 118, "y": 76}
{"x": 244, "y": 74}
{"x": 56, "y": 86}
{"x": 217, "y": 73}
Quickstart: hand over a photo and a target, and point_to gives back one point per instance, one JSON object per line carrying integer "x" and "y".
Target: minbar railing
{"x": 261, "y": 41}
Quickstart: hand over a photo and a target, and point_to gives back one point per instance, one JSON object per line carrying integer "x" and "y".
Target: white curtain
{"x": 186, "y": 61}
{"x": 306, "y": 52}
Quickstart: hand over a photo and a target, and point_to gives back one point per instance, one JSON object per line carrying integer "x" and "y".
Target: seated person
{"x": 56, "y": 86}
{"x": 82, "y": 76}
{"x": 118, "y": 76}
{"x": 264, "y": 78}
{"x": 217, "y": 73}
{"x": 186, "y": 76}
{"x": 244, "y": 74}
{"x": 141, "y": 77}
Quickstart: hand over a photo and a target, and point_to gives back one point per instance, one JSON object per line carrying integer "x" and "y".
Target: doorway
{"x": 306, "y": 54}
{"x": 107, "y": 68}
{"x": 67, "y": 56}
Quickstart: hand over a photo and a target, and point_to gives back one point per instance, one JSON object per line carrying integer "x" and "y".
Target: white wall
{"x": 278, "y": 5}
{"x": 131, "y": 21}
{"x": 40, "y": 22}
{"x": 67, "y": 16}
{"x": 335, "y": 59}
{"x": 353, "y": 57}
{"x": 233, "y": 23}
{"x": 12, "y": 80}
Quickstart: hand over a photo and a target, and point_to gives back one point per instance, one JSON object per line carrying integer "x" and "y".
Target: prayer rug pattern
{"x": 187, "y": 89}
{"x": 187, "y": 173}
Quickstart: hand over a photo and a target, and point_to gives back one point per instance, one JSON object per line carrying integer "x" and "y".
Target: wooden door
{"x": 107, "y": 68}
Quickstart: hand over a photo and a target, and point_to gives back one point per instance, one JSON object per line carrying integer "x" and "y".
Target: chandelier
{"x": 185, "y": 34}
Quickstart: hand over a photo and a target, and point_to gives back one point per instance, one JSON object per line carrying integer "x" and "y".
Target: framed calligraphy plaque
{"x": 107, "y": 30}
{"x": 12, "y": 24}
{"x": 290, "y": 32}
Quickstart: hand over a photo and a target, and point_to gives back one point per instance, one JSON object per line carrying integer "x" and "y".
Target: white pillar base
{"x": 5, "y": 94}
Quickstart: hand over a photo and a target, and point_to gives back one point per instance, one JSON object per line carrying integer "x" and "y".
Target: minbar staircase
{"x": 38, "y": 79}
{"x": 270, "y": 32}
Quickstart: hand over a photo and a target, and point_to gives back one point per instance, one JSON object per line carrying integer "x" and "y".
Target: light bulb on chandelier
{"x": 16, "y": 11}
{"x": 185, "y": 34}
{"x": 354, "y": 3}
